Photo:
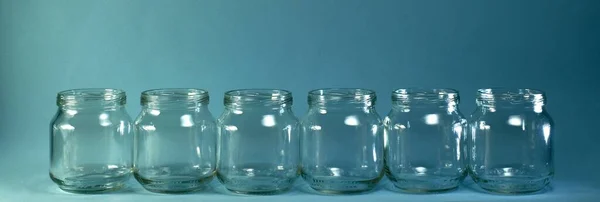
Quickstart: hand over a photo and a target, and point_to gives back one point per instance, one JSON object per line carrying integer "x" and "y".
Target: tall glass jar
{"x": 511, "y": 141}
{"x": 424, "y": 140}
{"x": 342, "y": 141}
{"x": 258, "y": 142}
{"x": 91, "y": 141}
{"x": 175, "y": 143}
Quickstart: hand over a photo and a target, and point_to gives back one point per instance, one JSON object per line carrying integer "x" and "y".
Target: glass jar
{"x": 342, "y": 141}
{"x": 424, "y": 140}
{"x": 258, "y": 142}
{"x": 91, "y": 141}
{"x": 175, "y": 143}
{"x": 511, "y": 141}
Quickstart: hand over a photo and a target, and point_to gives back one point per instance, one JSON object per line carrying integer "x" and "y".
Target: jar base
{"x": 173, "y": 184}
{"x": 512, "y": 185}
{"x": 91, "y": 184}
{"x": 256, "y": 185}
{"x": 425, "y": 183}
{"x": 341, "y": 185}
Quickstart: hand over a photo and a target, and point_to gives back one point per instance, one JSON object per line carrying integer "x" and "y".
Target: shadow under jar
{"x": 511, "y": 141}
{"x": 342, "y": 141}
{"x": 175, "y": 142}
{"x": 91, "y": 141}
{"x": 258, "y": 142}
{"x": 424, "y": 140}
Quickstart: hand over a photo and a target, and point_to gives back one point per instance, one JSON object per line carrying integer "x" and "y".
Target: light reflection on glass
{"x": 104, "y": 120}
{"x": 351, "y": 120}
{"x": 268, "y": 120}
{"x": 186, "y": 120}
{"x": 515, "y": 120}
{"x": 432, "y": 119}
{"x": 546, "y": 131}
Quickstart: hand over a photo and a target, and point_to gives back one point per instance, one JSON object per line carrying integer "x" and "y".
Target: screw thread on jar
{"x": 174, "y": 97}
{"x": 275, "y": 98}
{"x": 91, "y": 97}
{"x": 408, "y": 96}
{"x": 492, "y": 97}
{"x": 332, "y": 96}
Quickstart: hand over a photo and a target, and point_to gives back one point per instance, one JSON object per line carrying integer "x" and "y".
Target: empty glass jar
{"x": 342, "y": 141}
{"x": 258, "y": 142}
{"x": 511, "y": 141}
{"x": 91, "y": 141}
{"x": 424, "y": 140}
{"x": 175, "y": 142}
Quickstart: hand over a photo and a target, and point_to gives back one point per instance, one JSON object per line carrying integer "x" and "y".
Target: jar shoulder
{"x": 171, "y": 116}
{"x": 370, "y": 117}
{"x": 402, "y": 116}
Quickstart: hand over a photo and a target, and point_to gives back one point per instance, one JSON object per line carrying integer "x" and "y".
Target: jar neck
{"x": 525, "y": 99}
{"x": 175, "y": 98}
{"x": 91, "y": 99}
{"x": 258, "y": 99}
{"x": 340, "y": 98}
{"x": 425, "y": 98}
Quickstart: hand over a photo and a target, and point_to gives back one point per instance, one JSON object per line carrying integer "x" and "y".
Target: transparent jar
{"x": 258, "y": 142}
{"x": 511, "y": 141}
{"x": 175, "y": 143}
{"x": 425, "y": 136}
{"x": 91, "y": 141}
{"x": 342, "y": 141}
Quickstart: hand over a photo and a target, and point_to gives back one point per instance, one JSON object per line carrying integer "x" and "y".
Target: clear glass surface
{"x": 258, "y": 142}
{"x": 511, "y": 141}
{"x": 91, "y": 141}
{"x": 175, "y": 142}
{"x": 342, "y": 141}
{"x": 425, "y": 138}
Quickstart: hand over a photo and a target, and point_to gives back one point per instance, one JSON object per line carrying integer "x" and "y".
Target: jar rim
{"x": 80, "y": 95}
{"x": 425, "y": 91}
{"x": 510, "y": 91}
{"x": 174, "y": 95}
{"x": 177, "y": 92}
{"x": 342, "y": 92}
{"x": 278, "y": 96}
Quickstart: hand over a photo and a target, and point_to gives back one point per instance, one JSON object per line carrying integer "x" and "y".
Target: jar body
{"x": 425, "y": 136}
{"x": 258, "y": 145}
{"x": 175, "y": 142}
{"x": 90, "y": 146}
{"x": 342, "y": 145}
{"x": 511, "y": 145}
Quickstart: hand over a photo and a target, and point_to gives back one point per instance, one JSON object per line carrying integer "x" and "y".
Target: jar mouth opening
{"x": 425, "y": 91}
{"x": 174, "y": 95}
{"x": 342, "y": 95}
{"x": 92, "y": 92}
{"x": 81, "y": 95}
{"x": 175, "y": 92}
{"x": 510, "y": 92}
{"x": 258, "y": 95}
{"x": 341, "y": 92}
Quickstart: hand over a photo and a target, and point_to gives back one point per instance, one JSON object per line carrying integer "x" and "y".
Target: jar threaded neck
{"x": 105, "y": 97}
{"x": 408, "y": 96}
{"x": 174, "y": 96}
{"x": 490, "y": 97}
{"x": 259, "y": 97}
{"x": 364, "y": 97}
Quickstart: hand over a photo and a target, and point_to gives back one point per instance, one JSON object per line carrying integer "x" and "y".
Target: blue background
{"x": 48, "y": 46}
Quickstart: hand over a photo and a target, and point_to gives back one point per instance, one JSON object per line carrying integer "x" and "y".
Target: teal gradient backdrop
{"x": 48, "y": 46}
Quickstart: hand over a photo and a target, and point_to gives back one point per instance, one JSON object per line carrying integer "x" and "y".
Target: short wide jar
{"x": 91, "y": 141}
{"x": 175, "y": 143}
{"x": 342, "y": 141}
{"x": 258, "y": 142}
{"x": 511, "y": 141}
{"x": 425, "y": 136}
